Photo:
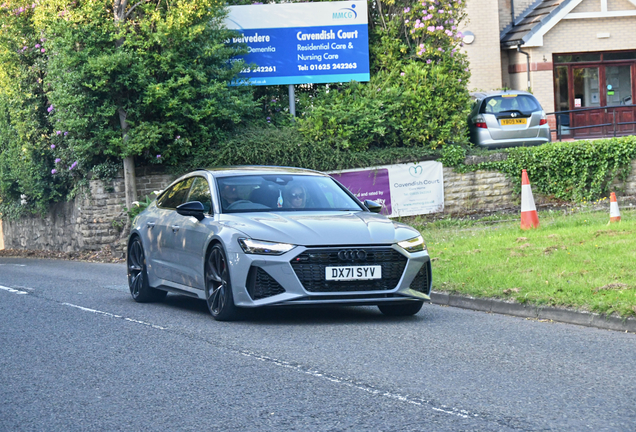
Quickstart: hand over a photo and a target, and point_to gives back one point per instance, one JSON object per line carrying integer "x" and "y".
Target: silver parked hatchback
{"x": 507, "y": 119}
{"x": 246, "y": 237}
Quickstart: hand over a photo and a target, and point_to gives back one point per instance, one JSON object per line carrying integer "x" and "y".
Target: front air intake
{"x": 422, "y": 281}
{"x": 261, "y": 285}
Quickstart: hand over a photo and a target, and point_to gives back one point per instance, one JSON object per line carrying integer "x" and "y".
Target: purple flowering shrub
{"x": 27, "y": 153}
{"x": 417, "y": 95}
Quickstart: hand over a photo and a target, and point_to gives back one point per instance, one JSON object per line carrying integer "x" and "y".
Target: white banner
{"x": 417, "y": 188}
{"x": 403, "y": 189}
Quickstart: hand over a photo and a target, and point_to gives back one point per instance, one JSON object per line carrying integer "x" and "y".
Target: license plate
{"x": 506, "y": 122}
{"x": 353, "y": 273}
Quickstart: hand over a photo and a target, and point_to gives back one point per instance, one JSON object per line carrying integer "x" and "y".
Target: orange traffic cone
{"x": 529, "y": 216}
{"x": 615, "y": 213}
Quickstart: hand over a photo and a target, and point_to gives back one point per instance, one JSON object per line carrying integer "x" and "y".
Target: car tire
{"x": 140, "y": 290}
{"x": 401, "y": 309}
{"x": 218, "y": 288}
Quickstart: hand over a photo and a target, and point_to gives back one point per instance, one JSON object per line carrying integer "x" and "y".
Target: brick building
{"x": 574, "y": 55}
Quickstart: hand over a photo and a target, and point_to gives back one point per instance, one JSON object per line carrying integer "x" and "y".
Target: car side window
{"x": 200, "y": 191}
{"x": 176, "y": 195}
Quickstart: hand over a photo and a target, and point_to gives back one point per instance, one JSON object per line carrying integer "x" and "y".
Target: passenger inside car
{"x": 295, "y": 196}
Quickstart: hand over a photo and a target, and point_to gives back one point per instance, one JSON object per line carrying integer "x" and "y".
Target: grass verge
{"x": 574, "y": 260}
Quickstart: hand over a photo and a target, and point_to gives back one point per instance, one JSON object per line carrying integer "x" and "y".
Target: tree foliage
{"x": 85, "y": 83}
{"x": 26, "y": 159}
{"x": 165, "y": 69}
{"x": 417, "y": 95}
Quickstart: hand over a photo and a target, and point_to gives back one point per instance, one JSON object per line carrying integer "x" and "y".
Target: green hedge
{"x": 572, "y": 170}
{"x": 285, "y": 146}
{"x": 417, "y": 105}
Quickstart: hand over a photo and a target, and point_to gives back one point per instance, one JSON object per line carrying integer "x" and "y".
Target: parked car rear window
{"x": 502, "y": 103}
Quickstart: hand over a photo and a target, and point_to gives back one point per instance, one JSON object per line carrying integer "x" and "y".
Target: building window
{"x": 599, "y": 87}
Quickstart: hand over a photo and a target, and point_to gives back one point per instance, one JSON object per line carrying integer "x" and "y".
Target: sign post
{"x": 302, "y": 43}
{"x": 292, "y": 101}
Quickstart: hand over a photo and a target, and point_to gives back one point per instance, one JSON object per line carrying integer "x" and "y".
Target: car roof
{"x": 483, "y": 95}
{"x": 230, "y": 171}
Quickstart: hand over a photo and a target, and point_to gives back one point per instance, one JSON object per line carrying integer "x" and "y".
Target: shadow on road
{"x": 308, "y": 315}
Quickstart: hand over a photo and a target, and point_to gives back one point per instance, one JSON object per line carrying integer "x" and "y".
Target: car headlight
{"x": 416, "y": 244}
{"x": 260, "y": 247}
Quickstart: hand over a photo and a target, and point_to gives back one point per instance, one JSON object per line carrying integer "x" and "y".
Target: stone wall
{"x": 97, "y": 221}
{"x": 476, "y": 191}
{"x": 628, "y": 188}
{"x": 90, "y": 222}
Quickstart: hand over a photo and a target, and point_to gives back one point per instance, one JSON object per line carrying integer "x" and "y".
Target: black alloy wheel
{"x": 138, "y": 275}
{"x": 218, "y": 289}
{"x": 401, "y": 309}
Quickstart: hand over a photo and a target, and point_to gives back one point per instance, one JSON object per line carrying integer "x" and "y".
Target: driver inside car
{"x": 229, "y": 194}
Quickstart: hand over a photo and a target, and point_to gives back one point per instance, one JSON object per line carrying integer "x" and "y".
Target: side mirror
{"x": 192, "y": 208}
{"x": 373, "y": 206}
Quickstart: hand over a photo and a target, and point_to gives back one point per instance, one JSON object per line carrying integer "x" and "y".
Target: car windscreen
{"x": 525, "y": 104}
{"x": 282, "y": 192}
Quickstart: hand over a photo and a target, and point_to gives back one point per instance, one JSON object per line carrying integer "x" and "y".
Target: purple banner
{"x": 369, "y": 185}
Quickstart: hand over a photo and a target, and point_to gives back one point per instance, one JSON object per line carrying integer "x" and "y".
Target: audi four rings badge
{"x": 352, "y": 255}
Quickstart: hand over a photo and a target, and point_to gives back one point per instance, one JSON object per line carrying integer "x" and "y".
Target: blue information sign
{"x": 301, "y": 43}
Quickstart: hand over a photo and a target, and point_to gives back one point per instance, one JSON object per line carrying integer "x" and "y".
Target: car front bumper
{"x": 298, "y": 277}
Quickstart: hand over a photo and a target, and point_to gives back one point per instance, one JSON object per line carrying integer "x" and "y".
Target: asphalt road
{"x": 77, "y": 353}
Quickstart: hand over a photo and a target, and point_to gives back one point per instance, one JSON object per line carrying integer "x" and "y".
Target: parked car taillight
{"x": 481, "y": 125}
{"x": 543, "y": 121}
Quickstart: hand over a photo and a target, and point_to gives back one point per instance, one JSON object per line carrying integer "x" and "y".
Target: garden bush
{"x": 572, "y": 170}
{"x": 417, "y": 95}
{"x": 285, "y": 146}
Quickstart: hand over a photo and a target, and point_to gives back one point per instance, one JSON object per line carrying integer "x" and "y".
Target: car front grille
{"x": 422, "y": 281}
{"x": 310, "y": 269}
{"x": 261, "y": 285}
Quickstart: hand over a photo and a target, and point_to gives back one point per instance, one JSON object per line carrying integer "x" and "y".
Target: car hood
{"x": 320, "y": 228}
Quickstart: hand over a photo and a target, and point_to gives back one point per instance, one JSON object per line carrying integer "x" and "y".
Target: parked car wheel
{"x": 218, "y": 289}
{"x": 402, "y": 309}
{"x": 138, "y": 276}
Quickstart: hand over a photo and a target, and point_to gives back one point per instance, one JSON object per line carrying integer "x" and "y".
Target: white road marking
{"x": 95, "y": 311}
{"x": 15, "y": 265}
{"x": 20, "y": 287}
{"x": 11, "y": 290}
{"x": 298, "y": 368}
{"x": 360, "y": 386}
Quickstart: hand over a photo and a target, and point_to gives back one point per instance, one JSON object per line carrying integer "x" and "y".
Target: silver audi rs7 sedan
{"x": 253, "y": 236}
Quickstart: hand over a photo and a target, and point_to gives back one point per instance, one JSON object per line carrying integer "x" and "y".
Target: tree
{"x": 148, "y": 79}
{"x": 26, "y": 159}
{"x": 143, "y": 80}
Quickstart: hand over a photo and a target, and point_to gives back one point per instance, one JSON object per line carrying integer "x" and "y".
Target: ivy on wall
{"x": 573, "y": 171}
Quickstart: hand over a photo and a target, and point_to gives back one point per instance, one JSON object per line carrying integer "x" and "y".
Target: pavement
{"x": 542, "y": 313}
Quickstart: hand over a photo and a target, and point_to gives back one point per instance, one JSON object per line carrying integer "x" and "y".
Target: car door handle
{"x": 150, "y": 225}
{"x": 175, "y": 228}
